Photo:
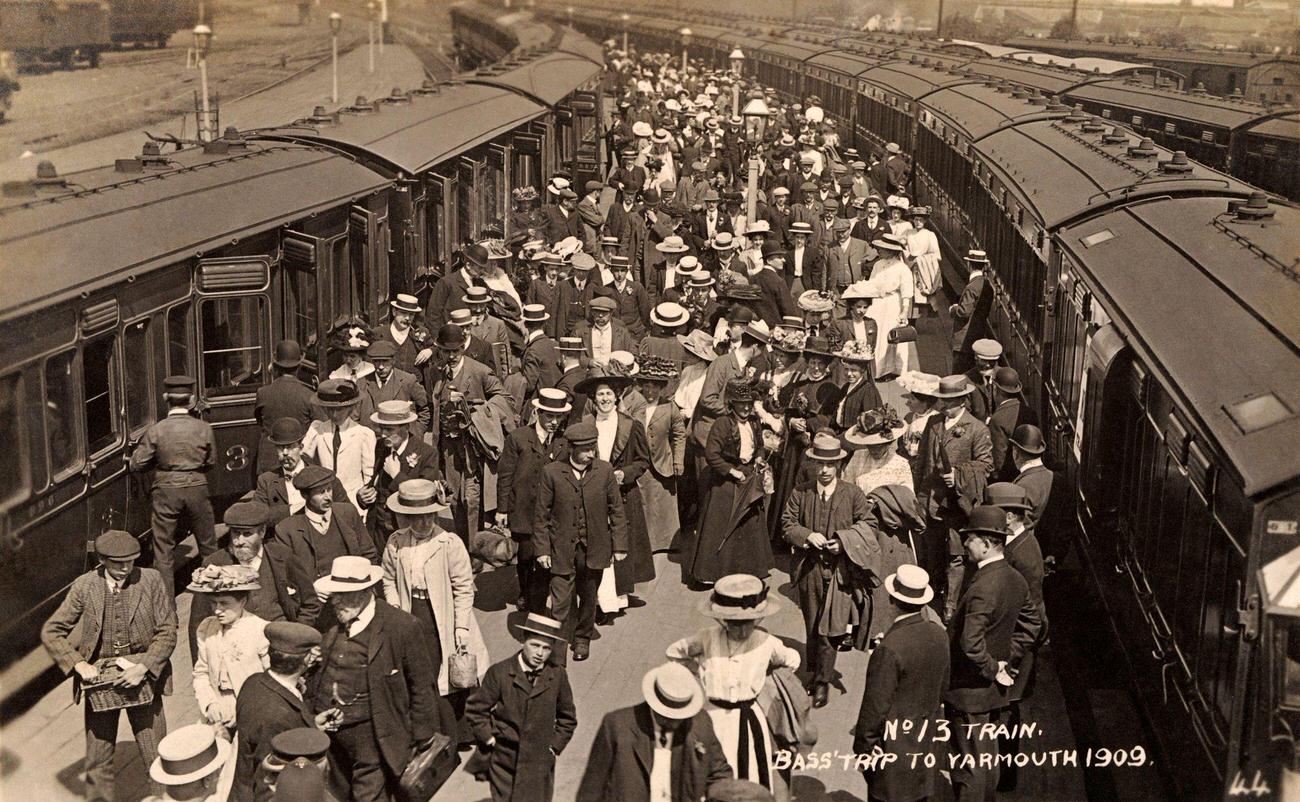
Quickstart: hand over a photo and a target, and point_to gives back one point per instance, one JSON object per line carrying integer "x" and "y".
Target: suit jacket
{"x": 813, "y": 274}
{"x": 299, "y": 537}
{"x": 71, "y": 634}
{"x": 1009, "y": 414}
{"x": 969, "y": 453}
{"x": 844, "y": 327}
{"x": 620, "y": 338}
{"x": 519, "y": 470}
{"x": 563, "y": 500}
{"x": 556, "y": 301}
{"x": 271, "y": 490}
{"x": 994, "y": 621}
{"x": 896, "y": 171}
{"x": 666, "y": 438}
{"x": 445, "y": 297}
{"x": 849, "y": 518}
{"x": 557, "y": 225}
{"x": 284, "y": 397}
{"x": 264, "y": 709}
{"x": 970, "y": 315}
{"x": 980, "y": 401}
{"x": 575, "y": 302}
{"x": 906, "y": 679}
{"x": 629, "y": 226}
{"x": 401, "y": 386}
{"x": 1026, "y": 556}
{"x": 868, "y": 233}
{"x": 399, "y": 678}
{"x": 776, "y": 302}
{"x": 1037, "y": 482}
{"x": 591, "y": 219}
{"x": 531, "y": 722}
{"x": 273, "y": 602}
{"x": 623, "y": 753}
{"x": 540, "y": 364}
{"x": 418, "y": 461}
{"x": 475, "y": 381}
{"x": 698, "y": 227}
{"x": 843, "y": 267}
{"x": 711, "y": 405}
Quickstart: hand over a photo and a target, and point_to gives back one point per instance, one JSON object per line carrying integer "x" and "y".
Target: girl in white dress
{"x": 875, "y": 460}
{"x": 923, "y": 251}
{"x": 733, "y": 659}
{"x": 892, "y": 288}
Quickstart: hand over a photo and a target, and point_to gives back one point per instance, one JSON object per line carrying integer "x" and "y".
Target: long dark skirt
{"x": 640, "y": 564}
{"x": 792, "y": 470}
{"x": 721, "y": 550}
{"x": 448, "y": 720}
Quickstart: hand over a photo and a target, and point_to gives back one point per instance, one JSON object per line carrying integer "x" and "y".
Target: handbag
{"x": 902, "y": 334}
{"x": 462, "y": 670}
{"x": 428, "y": 769}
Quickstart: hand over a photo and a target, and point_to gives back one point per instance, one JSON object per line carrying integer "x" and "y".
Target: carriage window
{"x": 232, "y": 339}
{"x": 178, "y": 340}
{"x": 97, "y": 365}
{"x": 61, "y": 413}
{"x": 465, "y": 197}
{"x": 492, "y": 189}
{"x": 15, "y": 477}
{"x": 341, "y": 262}
{"x": 137, "y": 359}
{"x": 1291, "y": 666}
{"x": 299, "y": 311}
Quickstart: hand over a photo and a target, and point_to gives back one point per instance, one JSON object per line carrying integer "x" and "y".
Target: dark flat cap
{"x": 581, "y": 434}
{"x": 291, "y": 637}
{"x": 118, "y": 545}
{"x": 382, "y": 349}
{"x": 247, "y": 514}
{"x": 307, "y": 742}
{"x": 179, "y": 382}
{"x": 312, "y": 476}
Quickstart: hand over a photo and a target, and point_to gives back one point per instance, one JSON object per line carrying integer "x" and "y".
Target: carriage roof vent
{"x": 1114, "y": 136}
{"x": 46, "y": 178}
{"x": 1253, "y": 210}
{"x": 319, "y": 116}
{"x": 1020, "y": 93}
{"x": 361, "y": 106}
{"x": 1037, "y": 100}
{"x": 398, "y": 97}
{"x": 1177, "y": 165}
{"x": 229, "y": 140}
{"x": 1078, "y": 115}
{"x": 428, "y": 87}
{"x": 1199, "y": 89}
{"x": 1142, "y": 150}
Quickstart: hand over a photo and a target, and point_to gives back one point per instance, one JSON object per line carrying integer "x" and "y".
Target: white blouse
{"x": 606, "y": 433}
{"x": 733, "y": 671}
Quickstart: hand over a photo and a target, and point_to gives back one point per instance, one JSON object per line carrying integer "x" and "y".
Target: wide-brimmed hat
{"x": 758, "y": 227}
{"x": 536, "y": 624}
{"x": 1029, "y": 439}
{"x": 910, "y": 584}
{"x": 699, "y": 343}
{"x": 224, "y": 579}
{"x": 914, "y": 382}
{"x": 723, "y": 241}
{"x": 788, "y": 340}
{"x": 596, "y": 377}
{"x": 672, "y": 691}
{"x": 954, "y": 386}
{"x": 892, "y": 147}
{"x": 661, "y": 136}
{"x": 641, "y": 128}
{"x": 552, "y": 399}
{"x": 287, "y": 354}
{"x": 739, "y": 597}
{"x": 188, "y": 754}
{"x": 406, "y": 303}
{"x": 394, "y": 413}
{"x": 348, "y": 573}
{"x": 818, "y": 346}
{"x": 856, "y": 352}
{"x": 1007, "y": 496}
{"x": 672, "y": 244}
{"x": 857, "y": 291}
{"x": 888, "y": 242}
{"x": 337, "y": 393}
{"x": 623, "y": 363}
{"x": 758, "y": 330}
{"x": 987, "y": 520}
{"x": 816, "y": 301}
{"x": 417, "y": 497}
{"x": 918, "y": 211}
{"x": 656, "y": 368}
{"x": 825, "y": 448}
{"x": 669, "y": 315}
{"x": 875, "y": 427}
{"x": 557, "y": 185}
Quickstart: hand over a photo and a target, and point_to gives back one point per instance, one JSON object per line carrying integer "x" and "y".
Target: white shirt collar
{"x": 827, "y": 490}
{"x": 1036, "y": 462}
{"x": 898, "y": 618}
{"x": 988, "y": 560}
{"x": 975, "y": 273}
{"x": 402, "y": 448}
{"x": 363, "y": 619}
{"x": 296, "y": 469}
{"x": 287, "y": 682}
{"x": 541, "y": 433}
{"x": 176, "y": 412}
{"x": 318, "y": 520}
{"x": 1016, "y": 531}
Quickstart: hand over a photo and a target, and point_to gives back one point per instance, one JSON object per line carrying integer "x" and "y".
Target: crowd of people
{"x": 638, "y": 368}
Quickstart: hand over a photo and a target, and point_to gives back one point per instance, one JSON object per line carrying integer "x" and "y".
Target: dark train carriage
{"x": 1266, "y": 152}
{"x": 1186, "y": 428}
{"x": 778, "y": 61}
{"x": 887, "y": 107}
{"x": 151, "y": 21}
{"x": 833, "y": 77}
{"x": 1046, "y": 80}
{"x": 50, "y": 30}
{"x": 117, "y": 277}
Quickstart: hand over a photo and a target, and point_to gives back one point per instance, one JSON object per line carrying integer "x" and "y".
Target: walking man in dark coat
{"x": 376, "y": 671}
{"x": 284, "y": 397}
{"x": 399, "y": 455}
{"x": 970, "y": 315}
{"x": 579, "y": 528}
{"x": 123, "y": 614}
{"x": 906, "y": 679}
{"x": 1027, "y": 448}
{"x": 522, "y": 716}
{"x": 180, "y": 449}
{"x": 994, "y": 624}
{"x": 1009, "y": 411}
{"x": 663, "y": 748}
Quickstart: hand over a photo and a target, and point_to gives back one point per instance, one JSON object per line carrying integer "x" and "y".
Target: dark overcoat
{"x": 563, "y": 501}
{"x": 264, "y": 709}
{"x": 532, "y": 723}
{"x": 519, "y": 470}
{"x": 540, "y": 364}
{"x": 272, "y": 492}
{"x": 300, "y": 538}
{"x": 284, "y": 397}
{"x": 623, "y": 755}
{"x": 1026, "y": 556}
{"x": 1037, "y": 482}
{"x": 994, "y": 621}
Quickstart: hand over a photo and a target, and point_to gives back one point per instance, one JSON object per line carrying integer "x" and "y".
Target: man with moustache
{"x": 275, "y": 487}
{"x": 398, "y": 456}
{"x": 389, "y": 383}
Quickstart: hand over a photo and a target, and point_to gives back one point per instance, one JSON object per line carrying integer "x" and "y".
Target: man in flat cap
{"x": 846, "y": 258}
{"x": 390, "y": 383}
{"x": 593, "y": 219}
{"x": 275, "y": 486}
{"x": 271, "y": 703}
{"x": 561, "y": 217}
{"x": 284, "y": 397}
{"x": 180, "y": 449}
{"x": 117, "y": 625}
{"x": 602, "y": 333}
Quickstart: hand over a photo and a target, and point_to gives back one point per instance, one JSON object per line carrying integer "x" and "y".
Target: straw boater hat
{"x": 669, "y": 315}
{"x": 888, "y": 242}
{"x": 571, "y": 344}
{"x": 914, "y": 383}
{"x": 875, "y": 427}
{"x": 977, "y": 257}
{"x": 673, "y": 244}
{"x": 954, "y": 386}
{"x": 535, "y": 313}
{"x": 189, "y": 754}
{"x": 536, "y": 624}
{"x": 910, "y": 584}
{"x": 739, "y": 597}
{"x": 552, "y": 399}
{"x": 406, "y": 303}
{"x": 723, "y": 241}
{"x": 672, "y": 691}
{"x": 856, "y": 352}
{"x": 224, "y": 579}
{"x": 393, "y": 413}
{"x": 623, "y": 363}
{"x": 699, "y": 343}
{"x": 758, "y": 227}
{"x": 825, "y": 448}
{"x": 348, "y": 573}
{"x": 857, "y": 291}
{"x": 816, "y": 301}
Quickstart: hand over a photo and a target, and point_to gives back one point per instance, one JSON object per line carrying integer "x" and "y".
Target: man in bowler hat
{"x": 117, "y": 623}
{"x": 275, "y": 486}
{"x": 284, "y": 397}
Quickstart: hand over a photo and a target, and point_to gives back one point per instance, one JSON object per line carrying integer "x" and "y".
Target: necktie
{"x": 663, "y": 740}
{"x": 338, "y": 443}
{"x": 392, "y": 465}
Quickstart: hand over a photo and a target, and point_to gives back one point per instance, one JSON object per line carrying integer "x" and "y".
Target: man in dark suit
{"x": 994, "y": 624}
{"x": 581, "y": 287}
{"x": 476, "y": 348}
{"x": 708, "y": 222}
{"x": 579, "y": 527}
{"x": 271, "y": 703}
{"x": 560, "y": 219}
{"x": 628, "y": 176}
{"x": 551, "y": 292}
{"x": 602, "y": 333}
{"x": 804, "y": 265}
{"x": 527, "y": 450}
{"x": 522, "y": 716}
{"x": 846, "y": 258}
{"x": 1009, "y": 412}
{"x": 116, "y": 612}
{"x": 870, "y": 226}
{"x": 284, "y": 397}
{"x": 1027, "y": 448}
{"x": 540, "y": 361}
{"x": 663, "y": 748}
{"x": 388, "y": 383}
{"x": 401, "y": 330}
{"x": 275, "y": 486}
{"x": 896, "y": 168}
{"x": 247, "y": 545}
{"x": 398, "y": 456}
{"x": 375, "y": 670}
{"x": 314, "y": 537}
{"x": 970, "y": 315}
{"x": 451, "y": 287}
{"x": 987, "y": 353}
{"x": 906, "y": 679}
{"x": 572, "y": 372}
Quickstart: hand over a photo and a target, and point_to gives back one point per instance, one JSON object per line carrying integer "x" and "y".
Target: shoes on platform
{"x": 821, "y": 694}
{"x": 581, "y": 651}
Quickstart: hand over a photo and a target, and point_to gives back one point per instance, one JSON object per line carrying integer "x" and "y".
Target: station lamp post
{"x": 336, "y": 24}
{"x": 202, "y": 41}
{"x": 569, "y": 11}
{"x": 755, "y": 115}
{"x": 374, "y": 14}
{"x": 624, "y": 17}
{"x": 737, "y": 58}
{"x": 686, "y": 45}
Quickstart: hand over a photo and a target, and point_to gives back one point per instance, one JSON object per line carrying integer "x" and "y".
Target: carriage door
{"x": 525, "y": 165}
{"x": 587, "y": 136}
{"x": 234, "y": 323}
{"x": 493, "y": 191}
{"x": 102, "y": 406}
{"x": 368, "y": 260}
{"x": 440, "y": 222}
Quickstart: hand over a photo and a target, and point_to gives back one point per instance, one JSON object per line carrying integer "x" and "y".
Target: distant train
{"x": 198, "y": 261}
{"x": 62, "y": 31}
{"x": 151, "y": 21}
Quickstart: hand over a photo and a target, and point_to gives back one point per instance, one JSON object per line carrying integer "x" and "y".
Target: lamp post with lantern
{"x": 374, "y": 13}
{"x": 737, "y": 58}
{"x": 755, "y": 115}
{"x": 624, "y": 17}
{"x": 336, "y": 24}
{"x": 202, "y": 41}
{"x": 686, "y": 45}
{"x": 569, "y": 12}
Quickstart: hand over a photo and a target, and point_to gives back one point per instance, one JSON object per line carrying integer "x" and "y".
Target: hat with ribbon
{"x": 553, "y": 400}
{"x": 888, "y": 242}
{"x": 699, "y": 343}
{"x": 188, "y": 754}
{"x": 672, "y": 244}
{"x": 403, "y": 302}
{"x": 977, "y": 257}
{"x": 224, "y": 579}
{"x": 672, "y": 691}
{"x": 572, "y": 344}
{"x": 394, "y": 413}
{"x": 337, "y": 393}
{"x": 910, "y": 584}
{"x": 816, "y": 301}
{"x": 856, "y": 352}
{"x": 916, "y": 383}
{"x": 536, "y": 624}
{"x": 724, "y": 241}
{"x": 739, "y": 597}
{"x": 669, "y": 315}
{"x": 825, "y": 448}
{"x": 349, "y": 573}
{"x": 954, "y": 386}
{"x": 417, "y": 497}
{"x": 875, "y": 427}
{"x": 535, "y": 313}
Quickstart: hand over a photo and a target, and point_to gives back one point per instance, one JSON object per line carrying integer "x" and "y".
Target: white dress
{"x": 733, "y": 674}
{"x": 890, "y": 283}
{"x": 869, "y": 474}
{"x": 923, "y": 249}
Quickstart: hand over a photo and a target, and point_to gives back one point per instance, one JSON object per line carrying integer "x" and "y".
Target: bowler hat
{"x": 536, "y": 624}
{"x": 291, "y": 637}
{"x": 1007, "y": 380}
{"x": 287, "y": 431}
{"x": 287, "y": 354}
{"x": 1007, "y": 496}
{"x": 382, "y": 349}
{"x": 117, "y": 545}
{"x": 312, "y": 476}
{"x": 337, "y": 393}
{"x": 987, "y": 520}
{"x": 246, "y": 515}
{"x": 1029, "y": 439}
{"x": 581, "y": 434}
{"x": 450, "y": 337}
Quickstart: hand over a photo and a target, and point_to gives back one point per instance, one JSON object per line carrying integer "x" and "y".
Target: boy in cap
{"x": 122, "y": 616}
{"x": 180, "y": 449}
{"x": 271, "y": 703}
{"x": 669, "y": 731}
{"x": 522, "y": 715}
